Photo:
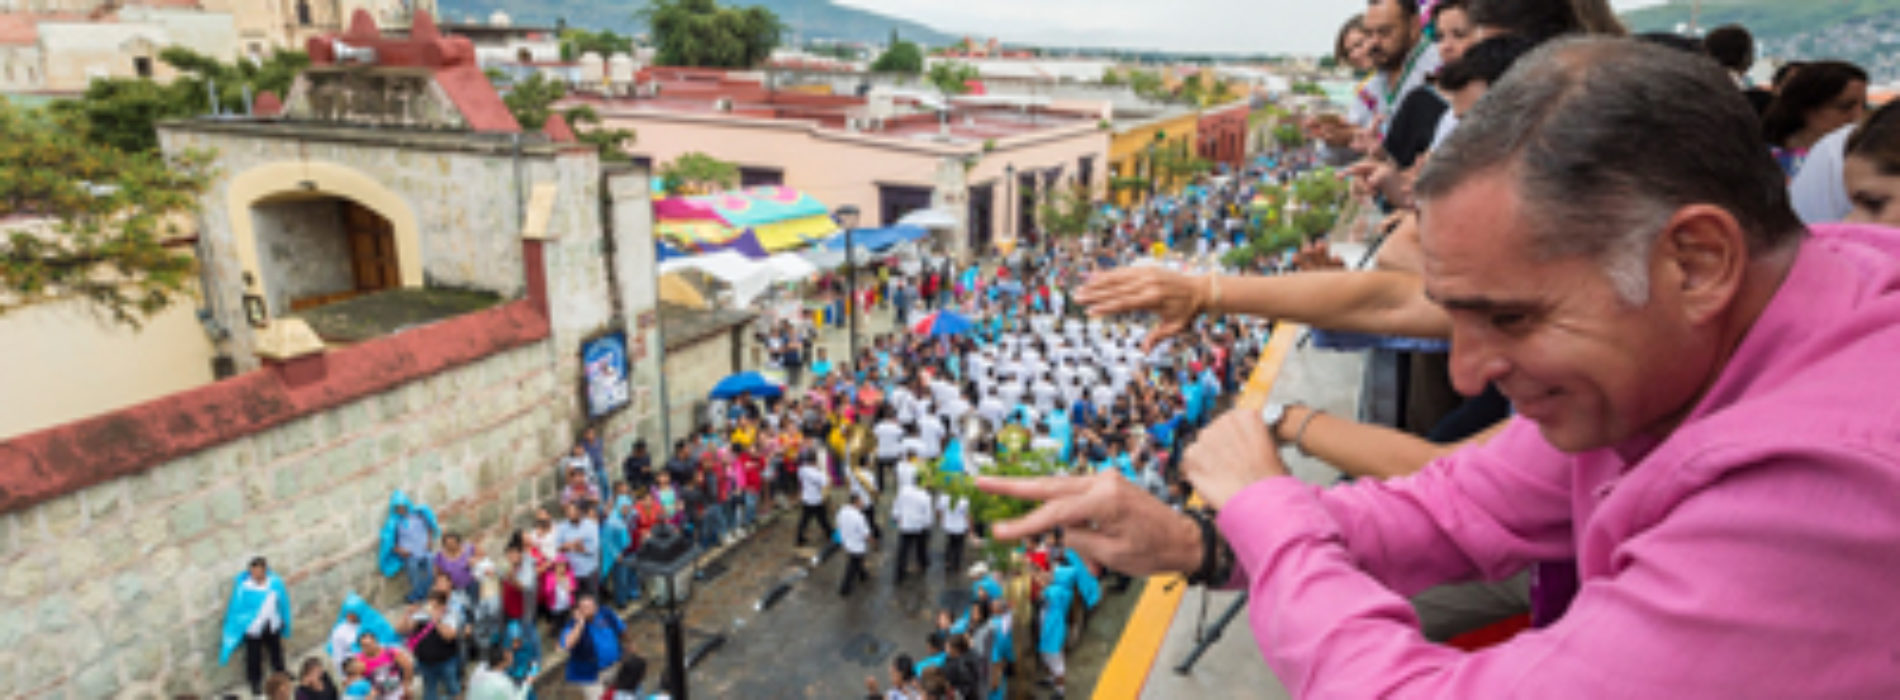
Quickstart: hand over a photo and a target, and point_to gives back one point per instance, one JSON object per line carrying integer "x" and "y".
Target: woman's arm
{"x": 1364, "y": 449}
{"x": 1372, "y": 301}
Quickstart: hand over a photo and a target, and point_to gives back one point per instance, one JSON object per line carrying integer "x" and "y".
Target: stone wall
{"x": 120, "y": 588}
{"x": 303, "y": 250}
{"x": 691, "y": 373}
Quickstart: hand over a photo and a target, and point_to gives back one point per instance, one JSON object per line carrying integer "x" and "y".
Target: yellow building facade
{"x": 1133, "y": 148}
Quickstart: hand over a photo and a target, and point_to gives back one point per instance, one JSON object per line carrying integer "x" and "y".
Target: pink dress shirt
{"x": 1752, "y": 553}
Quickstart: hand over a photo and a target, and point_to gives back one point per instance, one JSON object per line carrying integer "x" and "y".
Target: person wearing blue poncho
{"x": 615, "y": 538}
{"x": 1054, "y": 636}
{"x": 1086, "y": 584}
{"x": 987, "y": 588}
{"x": 356, "y": 617}
{"x": 1063, "y": 432}
{"x": 259, "y": 617}
{"x": 405, "y": 544}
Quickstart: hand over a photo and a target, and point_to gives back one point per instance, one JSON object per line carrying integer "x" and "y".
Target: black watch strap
{"x": 1217, "y": 559}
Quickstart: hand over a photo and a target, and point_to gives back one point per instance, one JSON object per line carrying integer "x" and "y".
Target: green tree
{"x": 532, "y": 101}
{"x": 1066, "y": 213}
{"x": 575, "y": 42}
{"x": 110, "y": 213}
{"x": 700, "y": 33}
{"x": 698, "y": 172}
{"x": 901, "y": 57}
{"x": 1112, "y": 78}
{"x": 951, "y": 77}
{"x": 122, "y": 112}
{"x": 1148, "y": 85}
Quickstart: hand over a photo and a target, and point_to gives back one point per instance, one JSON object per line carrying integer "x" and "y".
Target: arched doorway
{"x": 316, "y": 249}
{"x": 325, "y": 191}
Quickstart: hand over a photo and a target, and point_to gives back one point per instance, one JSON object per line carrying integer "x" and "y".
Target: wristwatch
{"x": 1273, "y": 414}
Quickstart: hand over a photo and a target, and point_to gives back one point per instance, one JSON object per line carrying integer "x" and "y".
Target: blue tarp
{"x": 746, "y": 382}
{"x": 877, "y": 239}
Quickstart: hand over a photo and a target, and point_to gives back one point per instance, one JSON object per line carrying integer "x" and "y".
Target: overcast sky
{"x": 1246, "y": 26}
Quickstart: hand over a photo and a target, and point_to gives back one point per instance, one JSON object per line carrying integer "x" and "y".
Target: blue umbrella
{"x": 746, "y": 383}
{"x": 943, "y": 323}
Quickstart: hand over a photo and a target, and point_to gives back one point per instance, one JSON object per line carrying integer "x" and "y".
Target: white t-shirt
{"x": 955, "y": 514}
{"x": 853, "y": 532}
{"x": 811, "y": 484}
{"x": 1819, "y": 189}
{"x": 912, "y": 509}
{"x": 267, "y": 618}
{"x": 890, "y": 438}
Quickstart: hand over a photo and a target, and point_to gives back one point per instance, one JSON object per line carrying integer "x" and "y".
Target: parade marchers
{"x": 1084, "y": 390}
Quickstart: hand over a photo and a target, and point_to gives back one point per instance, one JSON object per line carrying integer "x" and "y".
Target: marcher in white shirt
{"x": 811, "y": 496}
{"x": 890, "y": 444}
{"x": 913, "y": 511}
{"x": 854, "y": 533}
{"x": 954, "y": 517}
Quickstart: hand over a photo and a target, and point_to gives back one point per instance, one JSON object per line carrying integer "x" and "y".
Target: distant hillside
{"x": 1866, "y": 32}
{"x": 809, "y": 19}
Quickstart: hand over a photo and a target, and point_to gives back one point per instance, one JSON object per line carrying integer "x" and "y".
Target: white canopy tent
{"x": 748, "y": 278}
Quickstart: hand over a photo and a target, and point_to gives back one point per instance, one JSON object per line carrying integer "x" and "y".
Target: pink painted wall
{"x": 840, "y": 168}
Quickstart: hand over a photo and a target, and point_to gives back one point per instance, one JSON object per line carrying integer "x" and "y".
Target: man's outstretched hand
{"x": 1106, "y": 519}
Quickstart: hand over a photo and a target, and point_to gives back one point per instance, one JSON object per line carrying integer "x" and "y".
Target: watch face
{"x": 1272, "y": 414}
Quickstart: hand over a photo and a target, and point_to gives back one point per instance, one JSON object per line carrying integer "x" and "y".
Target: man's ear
{"x": 1705, "y": 253}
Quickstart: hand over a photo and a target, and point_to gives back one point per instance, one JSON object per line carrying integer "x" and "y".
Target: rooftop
{"x": 899, "y": 114}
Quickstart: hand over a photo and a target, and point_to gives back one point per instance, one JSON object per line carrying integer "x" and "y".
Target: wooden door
{"x": 372, "y": 249}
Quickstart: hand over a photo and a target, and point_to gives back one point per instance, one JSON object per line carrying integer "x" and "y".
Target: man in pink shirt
{"x": 1708, "y": 422}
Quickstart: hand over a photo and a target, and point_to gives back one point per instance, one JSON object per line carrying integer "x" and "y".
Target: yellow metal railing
{"x": 1137, "y": 652}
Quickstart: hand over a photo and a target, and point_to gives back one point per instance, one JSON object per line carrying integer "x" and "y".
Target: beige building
{"x": 61, "y": 45}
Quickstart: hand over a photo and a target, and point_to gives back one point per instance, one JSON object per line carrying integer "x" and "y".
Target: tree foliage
{"x": 700, "y": 33}
{"x": 1112, "y": 78}
{"x": 532, "y": 101}
{"x": 1066, "y": 213}
{"x": 122, "y": 112}
{"x": 988, "y": 507}
{"x": 951, "y": 77}
{"x": 575, "y": 42}
{"x": 109, "y": 213}
{"x": 696, "y": 172}
{"x": 1289, "y": 215}
{"x": 901, "y": 57}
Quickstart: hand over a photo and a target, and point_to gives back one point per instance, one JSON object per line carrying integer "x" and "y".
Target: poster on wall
{"x": 604, "y": 364}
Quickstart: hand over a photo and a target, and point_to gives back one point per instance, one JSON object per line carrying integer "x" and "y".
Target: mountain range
{"x": 1866, "y": 32}
{"x": 807, "y": 19}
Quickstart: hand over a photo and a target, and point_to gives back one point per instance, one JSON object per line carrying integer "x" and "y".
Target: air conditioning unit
{"x": 723, "y": 104}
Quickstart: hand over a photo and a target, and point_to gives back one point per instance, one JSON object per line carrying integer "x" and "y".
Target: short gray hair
{"x": 1607, "y": 138}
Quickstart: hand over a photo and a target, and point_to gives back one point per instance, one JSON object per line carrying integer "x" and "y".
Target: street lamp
{"x": 665, "y": 566}
{"x": 1010, "y": 203}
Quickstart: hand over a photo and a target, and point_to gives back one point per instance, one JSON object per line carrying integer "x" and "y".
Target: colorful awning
{"x": 777, "y": 218}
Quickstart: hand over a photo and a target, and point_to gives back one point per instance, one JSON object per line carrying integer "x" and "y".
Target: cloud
{"x": 1224, "y": 26}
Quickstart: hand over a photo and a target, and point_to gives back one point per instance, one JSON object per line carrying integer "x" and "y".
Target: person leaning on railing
{"x": 1705, "y": 403}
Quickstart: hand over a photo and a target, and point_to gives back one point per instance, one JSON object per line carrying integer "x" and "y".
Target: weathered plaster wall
{"x": 691, "y": 373}
{"x": 121, "y": 587}
{"x": 303, "y": 249}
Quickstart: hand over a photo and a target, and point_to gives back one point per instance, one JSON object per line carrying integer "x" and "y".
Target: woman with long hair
{"x": 1817, "y": 98}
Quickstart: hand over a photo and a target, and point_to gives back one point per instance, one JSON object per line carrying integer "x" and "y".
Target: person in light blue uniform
{"x": 405, "y": 546}
{"x": 1054, "y": 630}
{"x": 937, "y": 654}
{"x": 356, "y": 617}
{"x": 258, "y": 616}
{"x": 615, "y": 537}
{"x": 1086, "y": 585}
{"x": 1063, "y": 431}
